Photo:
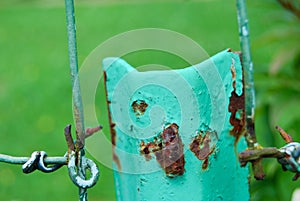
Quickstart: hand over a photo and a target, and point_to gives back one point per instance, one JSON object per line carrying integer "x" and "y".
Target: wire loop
{"x": 37, "y": 162}
{"x": 291, "y": 160}
{"x": 86, "y": 164}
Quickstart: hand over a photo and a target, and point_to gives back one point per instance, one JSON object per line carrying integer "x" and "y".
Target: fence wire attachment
{"x": 86, "y": 164}
{"x": 37, "y": 162}
{"x": 287, "y": 156}
{"x": 291, "y": 160}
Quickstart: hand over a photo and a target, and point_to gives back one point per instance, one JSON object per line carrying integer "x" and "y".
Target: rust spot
{"x": 112, "y": 128}
{"x": 113, "y": 141}
{"x": 139, "y": 107}
{"x": 258, "y": 169}
{"x": 237, "y": 109}
{"x": 168, "y": 150}
{"x": 233, "y": 73}
{"x": 148, "y": 148}
{"x": 205, "y": 164}
{"x": 204, "y": 145}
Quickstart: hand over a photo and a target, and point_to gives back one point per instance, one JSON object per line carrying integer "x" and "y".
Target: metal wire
{"x": 37, "y": 161}
{"x": 77, "y": 100}
{"x": 249, "y": 91}
{"x": 60, "y": 160}
{"x": 248, "y": 72}
{"x": 75, "y": 157}
{"x": 87, "y": 164}
{"x": 288, "y": 156}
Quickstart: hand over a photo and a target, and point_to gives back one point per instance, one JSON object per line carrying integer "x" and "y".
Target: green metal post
{"x": 174, "y": 133}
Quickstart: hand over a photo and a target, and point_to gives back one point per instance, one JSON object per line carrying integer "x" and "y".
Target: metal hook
{"x": 86, "y": 164}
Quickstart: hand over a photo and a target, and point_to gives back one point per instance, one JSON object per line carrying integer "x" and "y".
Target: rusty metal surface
{"x": 168, "y": 151}
{"x": 237, "y": 109}
{"x": 288, "y": 156}
{"x": 172, "y": 131}
{"x": 203, "y": 145}
{"x": 139, "y": 107}
{"x": 112, "y": 129}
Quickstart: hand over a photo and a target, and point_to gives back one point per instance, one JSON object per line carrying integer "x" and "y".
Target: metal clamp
{"x": 86, "y": 164}
{"x": 288, "y": 156}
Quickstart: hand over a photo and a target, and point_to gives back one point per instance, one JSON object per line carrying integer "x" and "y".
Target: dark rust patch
{"x": 237, "y": 109}
{"x": 168, "y": 149}
{"x": 205, "y": 164}
{"x": 112, "y": 128}
{"x": 139, "y": 107}
{"x": 204, "y": 145}
{"x": 113, "y": 140}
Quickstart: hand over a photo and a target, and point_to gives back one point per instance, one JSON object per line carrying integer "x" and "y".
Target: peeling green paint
{"x": 194, "y": 98}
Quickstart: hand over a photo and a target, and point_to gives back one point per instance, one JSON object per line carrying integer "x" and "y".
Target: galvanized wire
{"x": 77, "y": 100}
{"x": 37, "y": 161}
{"x": 21, "y": 160}
{"x": 75, "y": 159}
{"x": 76, "y": 177}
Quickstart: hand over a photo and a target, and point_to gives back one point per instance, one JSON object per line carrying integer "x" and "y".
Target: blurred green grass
{"x": 35, "y": 87}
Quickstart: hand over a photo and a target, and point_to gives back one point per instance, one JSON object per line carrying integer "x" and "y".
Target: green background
{"x": 35, "y": 87}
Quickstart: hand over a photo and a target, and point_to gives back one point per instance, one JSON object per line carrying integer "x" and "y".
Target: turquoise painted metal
{"x": 176, "y": 134}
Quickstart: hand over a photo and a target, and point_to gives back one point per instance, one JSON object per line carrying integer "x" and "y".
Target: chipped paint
{"x": 201, "y": 102}
{"x": 205, "y": 164}
{"x": 139, "y": 107}
{"x": 111, "y": 127}
{"x": 204, "y": 145}
{"x": 237, "y": 109}
{"x": 168, "y": 149}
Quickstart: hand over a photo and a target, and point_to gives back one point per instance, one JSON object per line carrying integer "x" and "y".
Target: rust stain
{"x": 205, "y": 164}
{"x": 112, "y": 128}
{"x": 204, "y": 145}
{"x": 168, "y": 150}
{"x": 285, "y": 136}
{"x": 233, "y": 73}
{"x": 139, "y": 107}
{"x": 237, "y": 109}
{"x": 113, "y": 140}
